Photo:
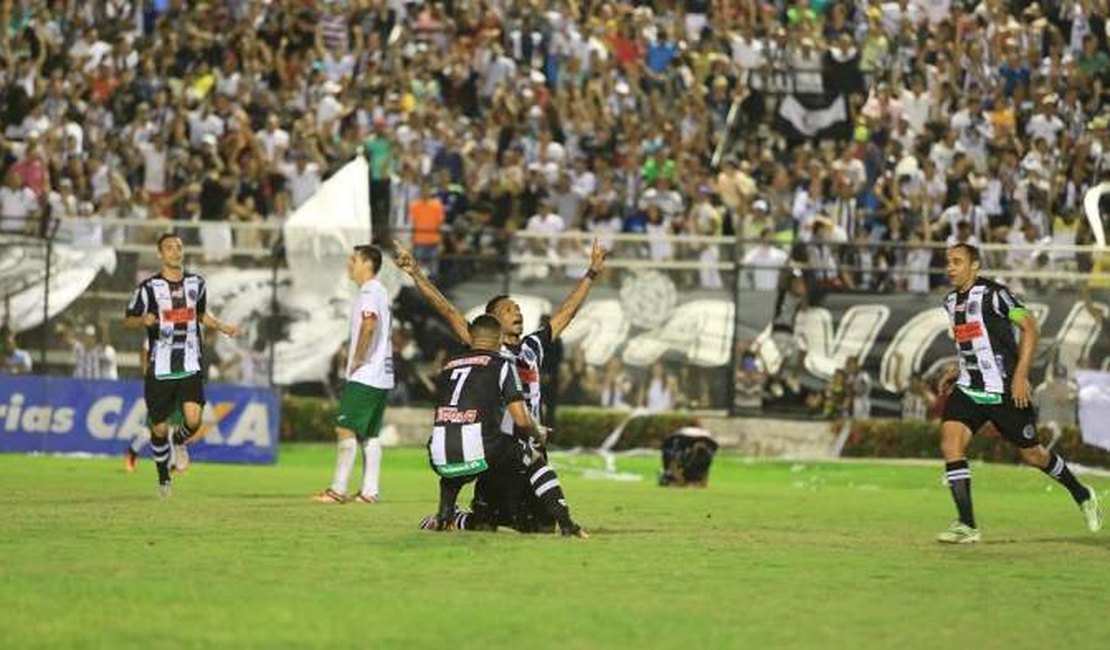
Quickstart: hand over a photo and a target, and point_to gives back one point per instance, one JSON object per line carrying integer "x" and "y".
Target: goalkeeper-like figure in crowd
{"x": 527, "y": 351}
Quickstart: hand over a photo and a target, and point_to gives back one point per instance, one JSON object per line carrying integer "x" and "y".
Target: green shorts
{"x": 361, "y": 408}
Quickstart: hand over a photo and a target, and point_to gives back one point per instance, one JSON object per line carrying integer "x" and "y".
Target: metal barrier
{"x": 685, "y": 302}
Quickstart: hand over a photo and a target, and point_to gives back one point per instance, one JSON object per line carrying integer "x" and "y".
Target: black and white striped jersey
{"x": 983, "y": 322}
{"x": 472, "y": 393}
{"x": 529, "y": 355}
{"x": 175, "y": 343}
{"x": 96, "y": 361}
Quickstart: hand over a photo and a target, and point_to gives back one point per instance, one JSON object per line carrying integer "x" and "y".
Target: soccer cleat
{"x": 179, "y": 459}
{"x": 363, "y": 498}
{"x": 959, "y": 533}
{"x": 1092, "y": 510}
{"x": 131, "y": 461}
{"x": 574, "y": 531}
{"x": 164, "y": 490}
{"x": 329, "y": 496}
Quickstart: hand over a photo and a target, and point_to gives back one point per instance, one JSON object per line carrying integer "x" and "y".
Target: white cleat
{"x": 959, "y": 533}
{"x": 164, "y": 490}
{"x": 1092, "y": 511}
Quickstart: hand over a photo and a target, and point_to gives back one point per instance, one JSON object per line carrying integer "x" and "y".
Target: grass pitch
{"x": 771, "y": 555}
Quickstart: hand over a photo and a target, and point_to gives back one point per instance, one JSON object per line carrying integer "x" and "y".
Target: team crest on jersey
{"x": 192, "y": 295}
{"x": 972, "y": 309}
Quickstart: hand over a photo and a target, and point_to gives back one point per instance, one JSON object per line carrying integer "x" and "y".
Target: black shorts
{"x": 164, "y": 395}
{"x": 1018, "y": 425}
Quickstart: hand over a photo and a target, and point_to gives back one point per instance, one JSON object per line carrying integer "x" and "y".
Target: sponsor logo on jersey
{"x": 451, "y": 415}
{"x": 529, "y": 375}
{"x": 1028, "y": 432}
{"x": 968, "y": 332}
{"x": 481, "y": 360}
{"x": 179, "y": 315}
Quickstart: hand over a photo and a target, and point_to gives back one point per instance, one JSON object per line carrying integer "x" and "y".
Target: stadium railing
{"x": 650, "y": 279}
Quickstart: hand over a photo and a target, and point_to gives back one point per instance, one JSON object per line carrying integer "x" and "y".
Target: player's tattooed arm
{"x": 566, "y": 312}
{"x": 455, "y": 320}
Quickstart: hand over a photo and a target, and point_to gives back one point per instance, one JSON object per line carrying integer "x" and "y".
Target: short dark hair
{"x": 492, "y": 304}
{"x": 167, "y": 235}
{"x": 972, "y": 250}
{"x": 485, "y": 325}
{"x": 372, "y": 254}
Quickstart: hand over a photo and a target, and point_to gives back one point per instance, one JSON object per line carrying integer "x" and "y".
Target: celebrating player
{"x": 172, "y": 307}
{"x": 475, "y": 391}
{"x": 993, "y": 385}
{"x": 369, "y": 377}
{"x": 527, "y": 351}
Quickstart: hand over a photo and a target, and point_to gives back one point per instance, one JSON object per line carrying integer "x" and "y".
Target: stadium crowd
{"x": 964, "y": 120}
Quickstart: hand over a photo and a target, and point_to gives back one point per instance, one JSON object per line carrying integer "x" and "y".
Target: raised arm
{"x": 455, "y": 320}
{"x": 565, "y": 313}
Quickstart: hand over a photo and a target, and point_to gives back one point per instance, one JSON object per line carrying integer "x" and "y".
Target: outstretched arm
{"x": 457, "y": 322}
{"x": 565, "y": 313}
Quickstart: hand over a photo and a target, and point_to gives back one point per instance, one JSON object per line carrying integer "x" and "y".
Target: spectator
{"x": 428, "y": 217}
{"x": 616, "y": 385}
{"x": 13, "y": 359}
{"x": 660, "y": 393}
{"x": 1056, "y": 403}
{"x": 19, "y": 206}
{"x": 93, "y": 357}
{"x": 764, "y": 263}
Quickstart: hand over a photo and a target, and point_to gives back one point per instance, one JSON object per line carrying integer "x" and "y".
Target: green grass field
{"x": 770, "y": 555}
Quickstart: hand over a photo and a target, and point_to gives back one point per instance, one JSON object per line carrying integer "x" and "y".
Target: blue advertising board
{"x": 66, "y": 415}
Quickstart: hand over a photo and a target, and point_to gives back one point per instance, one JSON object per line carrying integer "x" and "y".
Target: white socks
{"x": 344, "y": 463}
{"x": 371, "y": 466}
{"x": 140, "y": 441}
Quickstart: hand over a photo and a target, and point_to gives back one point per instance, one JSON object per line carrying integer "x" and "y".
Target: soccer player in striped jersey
{"x": 475, "y": 392}
{"x": 993, "y": 385}
{"x": 527, "y": 350}
{"x": 172, "y": 306}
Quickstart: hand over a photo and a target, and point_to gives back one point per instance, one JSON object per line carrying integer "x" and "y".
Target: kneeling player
{"x": 474, "y": 391}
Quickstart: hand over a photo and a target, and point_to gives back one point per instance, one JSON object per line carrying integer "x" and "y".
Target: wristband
{"x": 591, "y": 274}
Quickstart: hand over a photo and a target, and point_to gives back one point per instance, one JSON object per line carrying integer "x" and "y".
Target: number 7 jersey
{"x": 983, "y": 322}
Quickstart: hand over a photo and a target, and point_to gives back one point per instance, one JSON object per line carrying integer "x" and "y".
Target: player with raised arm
{"x": 475, "y": 391}
{"x": 993, "y": 385}
{"x": 527, "y": 351}
{"x": 172, "y": 307}
{"x": 369, "y": 376}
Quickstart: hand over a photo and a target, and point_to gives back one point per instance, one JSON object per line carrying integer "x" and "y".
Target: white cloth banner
{"x": 321, "y": 233}
{"x": 1094, "y": 407}
{"x": 23, "y": 273}
{"x": 314, "y": 294}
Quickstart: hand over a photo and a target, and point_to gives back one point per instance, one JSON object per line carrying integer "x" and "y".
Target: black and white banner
{"x": 803, "y": 117}
{"x": 23, "y": 277}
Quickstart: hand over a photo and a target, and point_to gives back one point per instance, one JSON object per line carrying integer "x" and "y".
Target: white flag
{"x": 1094, "y": 407}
